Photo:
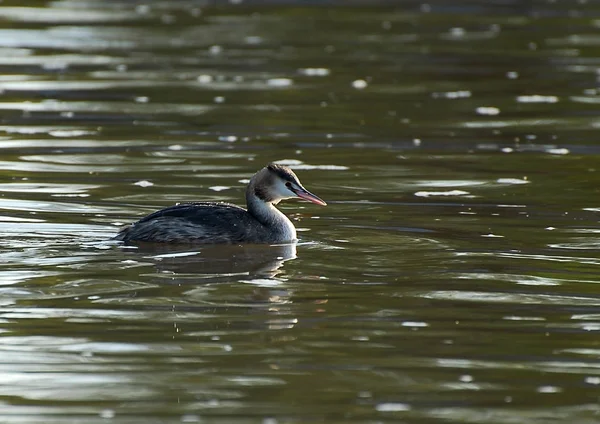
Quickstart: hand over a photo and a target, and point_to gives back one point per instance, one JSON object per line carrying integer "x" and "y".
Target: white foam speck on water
{"x": 392, "y": 407}
{"x": 70, "y": 133}
{"x": 549, "y": 389}
{"x": 558, "y": 151}
{"x": 314, "y": 72}
{"x": 522, "y": 318}
{"x": 175, "y": 255}
{"x": 592, "y": 380}
{"x": 107, "y": 414}
{"x": 414, "y": 324}
{"x": 204, "y": 79}
{"x": 487, "y": 110}
{"x": 263, "y": 282}
{"x": 536, "y": 98}
{"x": 359, "y": 84}
{"x": 512, "y": 181}
{"x": 450, "y": 183}
{"x": 280, "y": 82}
{"x": 297, "y": 164}
{"x": 461, "y": 94}
{"x": 441, "y": 193}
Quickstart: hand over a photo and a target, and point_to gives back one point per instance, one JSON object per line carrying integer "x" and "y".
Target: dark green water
{"x": 453, "y": 277}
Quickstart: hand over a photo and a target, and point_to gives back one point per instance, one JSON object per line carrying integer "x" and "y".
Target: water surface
{"x": 451, "y": 279}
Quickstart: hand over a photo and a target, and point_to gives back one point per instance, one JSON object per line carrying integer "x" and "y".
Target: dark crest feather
{"x": 282, "y": 172}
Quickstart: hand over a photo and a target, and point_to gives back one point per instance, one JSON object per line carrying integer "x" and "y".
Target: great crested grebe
{"x": 224, "y": 223}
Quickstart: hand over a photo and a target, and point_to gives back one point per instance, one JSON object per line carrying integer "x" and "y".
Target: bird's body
{"x": 224, "y": 223}
{"x": 207, "y": 223}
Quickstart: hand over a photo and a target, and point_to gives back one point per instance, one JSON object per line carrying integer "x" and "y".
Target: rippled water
{"x": 452, "y": 278}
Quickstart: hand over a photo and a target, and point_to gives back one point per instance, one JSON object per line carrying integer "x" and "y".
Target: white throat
{"x": 272, "y": 218}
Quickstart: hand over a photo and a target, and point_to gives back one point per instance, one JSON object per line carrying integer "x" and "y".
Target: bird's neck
{"x": 271, "y": 217}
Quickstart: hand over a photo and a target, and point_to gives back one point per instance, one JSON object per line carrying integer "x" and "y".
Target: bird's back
{"x": 200, "y": 223}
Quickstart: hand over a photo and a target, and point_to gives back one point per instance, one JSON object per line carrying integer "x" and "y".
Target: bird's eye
{"x": 288, "y": 185}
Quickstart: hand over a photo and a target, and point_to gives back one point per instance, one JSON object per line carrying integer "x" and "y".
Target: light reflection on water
{"x": 452, "y": 276}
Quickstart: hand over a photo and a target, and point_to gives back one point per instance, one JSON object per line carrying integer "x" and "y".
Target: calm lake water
{"x": 453, "y": 277}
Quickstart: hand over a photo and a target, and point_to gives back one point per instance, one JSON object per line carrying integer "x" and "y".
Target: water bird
{"x": 225, "y": 223}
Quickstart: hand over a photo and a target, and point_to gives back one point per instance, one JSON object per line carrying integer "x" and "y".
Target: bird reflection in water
{"x": 262, "y": 261}
{"x": 220, "y": 264}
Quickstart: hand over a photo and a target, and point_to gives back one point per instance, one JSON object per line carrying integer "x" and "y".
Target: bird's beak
{"x": 302, "y": 193}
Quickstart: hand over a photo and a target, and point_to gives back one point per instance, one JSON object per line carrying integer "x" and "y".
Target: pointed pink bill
{"x": 307, "y": 195}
